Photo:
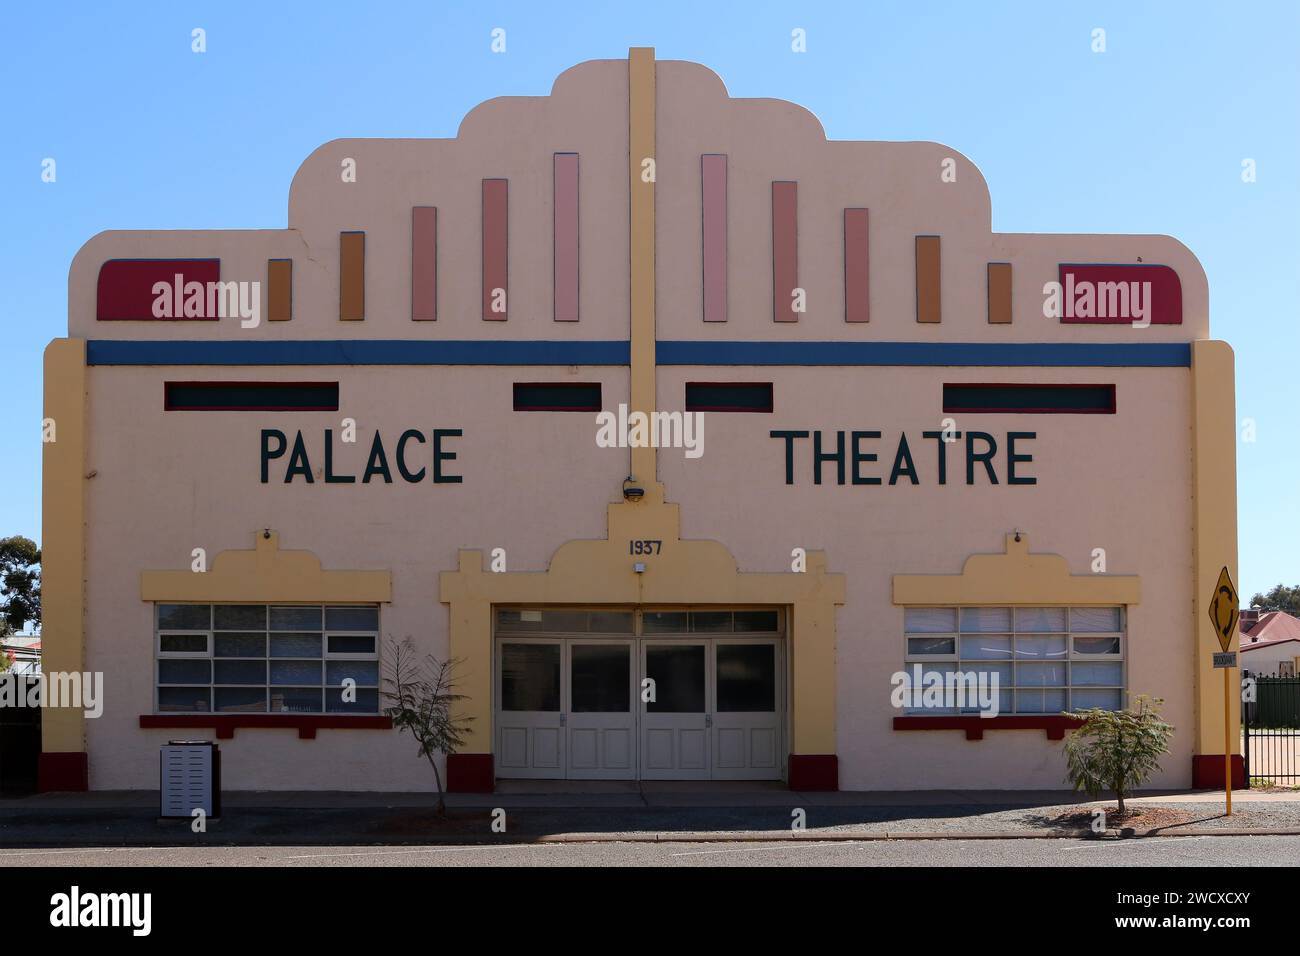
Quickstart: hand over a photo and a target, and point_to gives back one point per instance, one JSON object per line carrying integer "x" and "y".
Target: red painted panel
{"x": 1054, "y": 724}
{"x": 566, "y": 236}
{"x": 857, "y": 302}
{"x": 495, "y": 249}
{"x": 1207, "y": 772}
{"x": 424, "y": 264}
{"x": 814, "y": 772}
{"x": 785, "y": 250}
{"x": 1156, "y": 288}
{"x": 713, "y": 193}
{"x": 125, "y": 289}
{"x": 306, "y": 724}
{"x": 470, "y": 773}
{"x": 69, "y": 771}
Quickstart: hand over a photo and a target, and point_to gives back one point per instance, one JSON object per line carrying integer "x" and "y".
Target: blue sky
{"x": 1146, "y": 137}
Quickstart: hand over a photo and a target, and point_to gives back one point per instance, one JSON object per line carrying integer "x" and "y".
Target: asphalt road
{"x": 1159, "y": 851}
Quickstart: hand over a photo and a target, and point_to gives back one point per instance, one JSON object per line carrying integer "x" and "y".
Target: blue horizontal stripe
{"x": 1050, "y": 354}
{"x": 497, "y": 352}
{"x": 356, "y": 352}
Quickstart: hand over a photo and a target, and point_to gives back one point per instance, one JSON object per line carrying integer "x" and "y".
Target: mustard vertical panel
{"x": 927, "y": 279}
{"x": 279, "y": 292}
{"x": 352, "y": 276}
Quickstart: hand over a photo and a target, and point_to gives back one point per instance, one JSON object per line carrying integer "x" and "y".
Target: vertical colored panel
{"x": 785, "y": 250}
{"x": 927, "y": 279}
{"x": 713, "y": 192}
{"x": 566, "y": 237}
{"x": 279, "y": 291}
{"x": 857, "y": 299}
{"x": 424, "y": 264}
{"x": 495, "y": 249}
{"x": 352, "y": 276}
{"x": 999, "y": 293}
{"x": 641, "y": 243}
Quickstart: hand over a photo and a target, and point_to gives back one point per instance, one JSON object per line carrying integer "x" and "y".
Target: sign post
{"x": 1224, "y": 611}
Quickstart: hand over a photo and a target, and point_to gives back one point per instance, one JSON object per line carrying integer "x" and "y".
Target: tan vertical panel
{"x": 999, "y": 293}
{"x": 279, "y": 290}
{"x": 63, "y": 545}
{"x": 641, "y": 146}
{"x": 927, "y": 279}
{"x": 352, "y": 276}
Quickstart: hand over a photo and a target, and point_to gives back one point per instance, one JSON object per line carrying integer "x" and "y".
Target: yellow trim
{"x": 63, "y": 543}
{"x": 684, "y": 572}
{"x": 267, "y": 575}
{"x": 1214, "y": 528}
{"x": 641, "y": 146}
{"x": 1016, "y": 577}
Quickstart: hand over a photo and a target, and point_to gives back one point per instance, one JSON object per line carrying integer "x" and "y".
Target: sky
{"x": 1148, "y": 136}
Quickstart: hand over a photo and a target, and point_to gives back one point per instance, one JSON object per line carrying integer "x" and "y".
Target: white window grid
{"x": 321, "y": 687}
{"x": 1012, "y": 691}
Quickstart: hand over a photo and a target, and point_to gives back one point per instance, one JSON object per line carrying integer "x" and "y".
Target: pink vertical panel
{"x": 495, "y": 249}
{"x": 424, "y": 263}
{"x": 566, "y": 237}
{"x": 713, "y": 192}
{"x": 785, "y": 250}
{"x": 856, "y": 263}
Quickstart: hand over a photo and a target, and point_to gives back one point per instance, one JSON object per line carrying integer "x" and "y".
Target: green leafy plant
{"x": 20, "y": 583}
{"x": 421, "y": 696}
{"x": 1116, "y": 750}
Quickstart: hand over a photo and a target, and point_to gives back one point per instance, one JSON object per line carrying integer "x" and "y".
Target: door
{"x": 675, "y": 738}
{"x": 530, "y": 735}
{"x": 747, "y": 719}
{"x": 600, "y": 719}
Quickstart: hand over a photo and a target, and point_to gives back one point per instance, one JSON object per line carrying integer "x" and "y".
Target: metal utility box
{"x": 190, "y": 779}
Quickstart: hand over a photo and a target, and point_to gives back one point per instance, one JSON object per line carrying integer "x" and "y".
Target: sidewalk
{"x": 618, "y": 811}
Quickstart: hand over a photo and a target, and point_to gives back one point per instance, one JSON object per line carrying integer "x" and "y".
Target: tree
{"x": 1279, "y": 598}
{"x": 422, "y": 698}
{"x": 1116, "y": 750}
{"x": 20, "y": 582}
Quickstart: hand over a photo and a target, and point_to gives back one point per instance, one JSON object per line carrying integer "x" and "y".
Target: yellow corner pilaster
{"x": 63, "y": 540}
{"x": 1214, "y": 530}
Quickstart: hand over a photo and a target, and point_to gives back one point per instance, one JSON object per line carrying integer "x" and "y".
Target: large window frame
{"x": 327, "y": 686}
{"x": 1072, "y": 655}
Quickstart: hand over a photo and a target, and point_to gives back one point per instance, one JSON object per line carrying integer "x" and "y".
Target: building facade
{"x": 884, "y": 440}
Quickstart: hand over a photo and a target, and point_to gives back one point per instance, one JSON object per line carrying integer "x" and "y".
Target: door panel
{"x": 674, "y": 732}
{"x": 601, "y": 721}
{"x": 749, "y": 712}
{"x": 529, "y": 738}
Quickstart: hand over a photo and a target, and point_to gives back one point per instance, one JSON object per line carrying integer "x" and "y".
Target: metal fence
{"x": 1270, "y": 730}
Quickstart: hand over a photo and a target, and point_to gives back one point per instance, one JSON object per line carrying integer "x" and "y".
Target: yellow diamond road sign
{"x": 1223, "y": 609}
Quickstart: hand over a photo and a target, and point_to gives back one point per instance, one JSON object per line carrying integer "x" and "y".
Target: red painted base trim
{"x": 470, "y": 773}
{"x": 1207, "y": 772}
{"x": 62, "y": 771}
{"x": 1054, "y": 724}
{"x": 306, "y": 724}
{"x": 814, "y": 772}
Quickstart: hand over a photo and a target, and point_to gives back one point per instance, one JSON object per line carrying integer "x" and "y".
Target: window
{"x": 728, "y": 396}
{"x": 557, "y": 396}
{"x": 1030, "y": 399}
{"x": 251, "y": 396}
{"x": 255, "y": 658}
{"x": 1047, "y": 659}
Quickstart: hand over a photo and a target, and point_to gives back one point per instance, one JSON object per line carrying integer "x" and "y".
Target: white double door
{"x": 622, "y": 709}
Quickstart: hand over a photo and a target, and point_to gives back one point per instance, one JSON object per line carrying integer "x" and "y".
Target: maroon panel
{"x": 857, "y": 301}
{"x": 65, "y": 771}
{"x": 1207, "y": 772}
{"x": 125, "y": 290}
{"x": 713, "y": 194}
{"x": 424, "y": 263}
{"x": 470, "y": 773}
{"x": 814, "y": 772}
{"x": 785, "y": 250}
{"x": 565, "y": 231}
{"x": 306, "y": 724}
{"x": 496, "y": 247}
{"x": 1054, "y": 724}
{"x": 1163, "y": 305}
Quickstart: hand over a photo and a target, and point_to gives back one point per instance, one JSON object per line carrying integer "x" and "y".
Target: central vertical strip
{"x": 641, "y": 185}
